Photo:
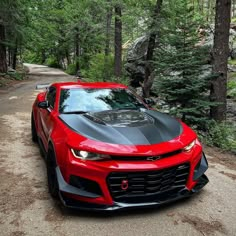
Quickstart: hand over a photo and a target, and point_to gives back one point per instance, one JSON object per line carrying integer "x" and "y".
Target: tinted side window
{"x": 51, "y": 96}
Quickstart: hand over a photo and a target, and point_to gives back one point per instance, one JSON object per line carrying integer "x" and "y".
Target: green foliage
{"x": 222, "y": 135}
{"x": 231, "y": 89}
{"x": 16, "y": 75}
{"x": 55, "y": 27}
{"x": 52, "y": 62}
{"x": 97, "y": 70}
{"x": 181, "y": 65}
{"x": 232, "y": 62}
{"x": 71, "y": 69}
{"x": 231, "y": 84}
{"x": 233, "y": 20}
{"x": 31, "y": 57}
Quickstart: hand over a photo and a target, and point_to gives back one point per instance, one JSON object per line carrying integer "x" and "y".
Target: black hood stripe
{"x": 135, "y": 129}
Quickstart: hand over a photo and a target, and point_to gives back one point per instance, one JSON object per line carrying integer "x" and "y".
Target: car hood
{"x": 125, "y": 127}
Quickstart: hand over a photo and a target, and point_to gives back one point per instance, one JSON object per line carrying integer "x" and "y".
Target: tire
{"x": 51, "y": 174}
{"x": 33, "y": 130}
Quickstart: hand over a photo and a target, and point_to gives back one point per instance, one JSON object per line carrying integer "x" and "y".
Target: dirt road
{"x": 27, "y": 209}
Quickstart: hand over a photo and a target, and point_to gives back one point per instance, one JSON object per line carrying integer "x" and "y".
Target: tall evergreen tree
{"x": 180, "y": 64}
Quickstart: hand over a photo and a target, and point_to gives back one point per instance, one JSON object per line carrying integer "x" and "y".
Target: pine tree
{"x": 181, "y": 65}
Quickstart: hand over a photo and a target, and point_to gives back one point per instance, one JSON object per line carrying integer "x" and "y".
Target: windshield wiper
{"x": 74, "y": 112}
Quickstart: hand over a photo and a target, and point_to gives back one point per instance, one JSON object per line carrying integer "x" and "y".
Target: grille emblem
{"x": 124, "y": 184}
{"x": 155, "y": 158}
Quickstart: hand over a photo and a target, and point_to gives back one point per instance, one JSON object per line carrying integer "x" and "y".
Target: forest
{"x": 181, "y": 53}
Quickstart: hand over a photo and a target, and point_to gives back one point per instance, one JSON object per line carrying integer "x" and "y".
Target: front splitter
{"x": 184, "y": 193}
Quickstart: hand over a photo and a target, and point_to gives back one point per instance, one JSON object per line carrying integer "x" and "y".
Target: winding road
{"x": 27, "y": 209}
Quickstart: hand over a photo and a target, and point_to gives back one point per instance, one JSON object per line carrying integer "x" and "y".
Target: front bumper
{"x": 66, "y": 191}
{"x": 184, "y": 193}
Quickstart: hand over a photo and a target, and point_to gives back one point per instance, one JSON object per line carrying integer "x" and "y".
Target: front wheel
{"x": 51, "y": 174}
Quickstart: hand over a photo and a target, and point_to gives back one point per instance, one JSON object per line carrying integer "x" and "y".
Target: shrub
{"x": 16, "y": 75}
{"x": 97, "y": 70}
{"x": 231, "y": 86}
{"x": 71, "y": 69}
{"x": 222, "y": 135}
{"x": 52, "y": 62}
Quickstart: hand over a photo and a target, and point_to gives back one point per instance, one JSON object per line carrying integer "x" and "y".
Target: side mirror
{"x": 149, "y": 101}
{"x": 43, "y": 104}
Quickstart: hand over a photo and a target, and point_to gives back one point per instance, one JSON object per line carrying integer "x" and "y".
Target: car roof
{"x": 92, "y": 85}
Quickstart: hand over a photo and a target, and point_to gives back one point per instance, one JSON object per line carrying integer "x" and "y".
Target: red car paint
{"x": 50, "y": 128}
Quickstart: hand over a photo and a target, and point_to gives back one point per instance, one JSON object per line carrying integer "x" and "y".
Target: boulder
{"x": 135, "y": 65}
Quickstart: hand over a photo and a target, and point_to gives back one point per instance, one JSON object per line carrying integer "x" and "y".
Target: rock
{"x": 233, "y": 53}
{"x": 11, "y": 70}
{"x": 135, "y": 65}
{"x": 138, "y": 49}
{"x": 231, "y": 110}
{"x": 139, "y": 91}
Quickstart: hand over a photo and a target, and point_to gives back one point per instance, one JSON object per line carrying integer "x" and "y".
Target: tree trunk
{"x": 220, "y": 59}
{"x": 43, "y": 56}
{"x": 208, "y": 10}
{"x": 233, "y": 11}
{"x": 118, "y": 41}
{"x": 9, "y": 56}
{"x": 3, "y": 55}
{"x": 108, "y": 36}
{"x": 77, "y": 50}
{"x": 68, "y": 57}
{"x": 148, "y": 80}
{"x": 108, "y": 28}
{"x": 14, "y": 56}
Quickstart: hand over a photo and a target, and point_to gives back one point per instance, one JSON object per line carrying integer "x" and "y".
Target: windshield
{"x": 94, "y": 100}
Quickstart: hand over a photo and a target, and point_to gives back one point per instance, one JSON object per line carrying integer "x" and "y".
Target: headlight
{"x": 83, "y": 155}
{"x": 189, "y": 147}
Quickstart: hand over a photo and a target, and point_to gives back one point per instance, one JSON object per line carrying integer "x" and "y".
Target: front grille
{"x": 149, "y": 185}
{"x": 143, "y": 158}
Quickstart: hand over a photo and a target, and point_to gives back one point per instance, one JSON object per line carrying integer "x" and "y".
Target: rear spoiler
{"x": 42, "y": 86}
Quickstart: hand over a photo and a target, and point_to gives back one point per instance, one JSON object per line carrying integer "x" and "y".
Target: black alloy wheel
{"x": 51, "y": 174}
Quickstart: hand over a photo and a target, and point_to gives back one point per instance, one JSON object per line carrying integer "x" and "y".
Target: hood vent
{"x": 94, "y": 119}
{"x": 121, "y": 118}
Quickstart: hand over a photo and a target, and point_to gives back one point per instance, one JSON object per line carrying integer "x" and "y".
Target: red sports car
{"x": 105, "y": 149}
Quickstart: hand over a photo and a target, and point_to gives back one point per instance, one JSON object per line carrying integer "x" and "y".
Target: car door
{"x": 46, "y": 115}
